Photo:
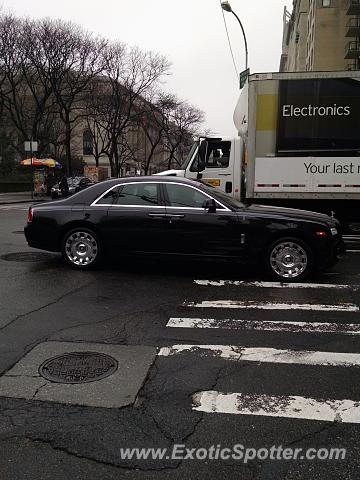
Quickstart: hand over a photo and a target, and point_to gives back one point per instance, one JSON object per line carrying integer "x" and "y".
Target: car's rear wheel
{"x": 81, "y": 248}
{"x": 289, "y": 260}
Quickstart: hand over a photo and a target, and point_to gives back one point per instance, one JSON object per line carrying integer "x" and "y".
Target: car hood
{"x": 291, "y": 213}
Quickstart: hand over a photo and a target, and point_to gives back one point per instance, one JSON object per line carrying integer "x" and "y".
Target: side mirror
{"x": 201, "y": 163}
{"x": 210, "y": 205}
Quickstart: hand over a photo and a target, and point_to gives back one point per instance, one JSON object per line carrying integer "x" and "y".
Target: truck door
{"x": 219, "y": 165}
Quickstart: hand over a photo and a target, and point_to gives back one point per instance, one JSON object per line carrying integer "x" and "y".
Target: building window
{"x": 87, "y": 143}
{"x": 326, "y": 3}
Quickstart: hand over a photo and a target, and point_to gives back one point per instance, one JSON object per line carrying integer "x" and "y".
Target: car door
{"x": 194, "y": 230}
{"x": 136, "y": 221}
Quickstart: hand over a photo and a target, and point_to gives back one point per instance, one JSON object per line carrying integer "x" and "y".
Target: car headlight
{"x": 333, "y": 231}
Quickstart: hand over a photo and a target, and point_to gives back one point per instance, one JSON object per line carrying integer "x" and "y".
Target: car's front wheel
{"x": 81, "y": 248}
{"x": 289, "y": 260}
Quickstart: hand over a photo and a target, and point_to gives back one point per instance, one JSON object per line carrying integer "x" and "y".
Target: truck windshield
{"x": 220, "y": 195}
{"x": 190, "y": 156}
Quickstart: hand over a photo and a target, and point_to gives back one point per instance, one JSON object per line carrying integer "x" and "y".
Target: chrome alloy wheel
{"x": 81, "y": 248}
{"x": 288, "y": 259}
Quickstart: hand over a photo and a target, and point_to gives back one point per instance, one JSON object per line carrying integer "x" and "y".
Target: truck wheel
{"x": 81, "y": 248}
{"x": 289, "y": 260}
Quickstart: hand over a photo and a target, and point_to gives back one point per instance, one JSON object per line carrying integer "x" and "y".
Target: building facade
{"x": 321, "y": 35}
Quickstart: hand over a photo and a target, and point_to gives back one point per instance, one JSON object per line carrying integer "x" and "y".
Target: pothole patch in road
{"x": 27, "y": 257}
{"x": 78, "y": 367}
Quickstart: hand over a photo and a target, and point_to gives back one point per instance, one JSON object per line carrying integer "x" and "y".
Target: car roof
{"x": 151, "y": 178}
{"x": 88, "y": 195}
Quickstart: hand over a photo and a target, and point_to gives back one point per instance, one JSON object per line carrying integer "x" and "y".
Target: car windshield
{"x": 220, "y": 195}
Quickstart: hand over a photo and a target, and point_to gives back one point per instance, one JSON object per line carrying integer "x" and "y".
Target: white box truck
{"x": 298, "y": 145}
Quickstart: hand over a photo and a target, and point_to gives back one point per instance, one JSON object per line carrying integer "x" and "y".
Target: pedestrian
{"x": 49, "y": 182}
{"x": 64, "y": 186}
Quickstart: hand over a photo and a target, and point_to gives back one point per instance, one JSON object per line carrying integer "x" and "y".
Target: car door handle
{"x": 157, "y": 215}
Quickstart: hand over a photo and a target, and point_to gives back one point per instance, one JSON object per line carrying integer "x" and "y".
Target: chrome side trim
{"x": 96, "y": 204}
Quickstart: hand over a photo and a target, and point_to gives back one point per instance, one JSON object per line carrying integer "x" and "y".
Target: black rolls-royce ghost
{"x": 172, "y": 216}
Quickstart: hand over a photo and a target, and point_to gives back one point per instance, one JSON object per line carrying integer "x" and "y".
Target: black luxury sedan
{"x": 172, "y": 216}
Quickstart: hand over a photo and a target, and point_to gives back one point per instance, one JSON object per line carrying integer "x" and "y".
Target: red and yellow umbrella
{"x": 41, "y": 162}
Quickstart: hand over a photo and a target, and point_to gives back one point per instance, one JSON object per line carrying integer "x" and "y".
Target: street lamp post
{"x": 225, "y": 5}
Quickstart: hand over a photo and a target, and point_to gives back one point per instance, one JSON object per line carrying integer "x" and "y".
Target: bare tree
{"x": 73, "y": 60}
{"x": 128, "y": 75}
{"x": 183, "y": 125}
{"x": 96, "y": 118}
{"x": 169, "y": 126}
{"x": 12, "y": 86}
{"x": 25, "y": 92}
{"x": 55, "y": 77}
{"x": 153, "y": 116}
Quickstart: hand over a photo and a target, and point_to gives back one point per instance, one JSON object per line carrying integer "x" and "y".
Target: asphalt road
{"x": 216, "y": 364}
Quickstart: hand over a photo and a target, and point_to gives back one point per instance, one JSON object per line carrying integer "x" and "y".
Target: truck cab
{"x": 216, "y": 161}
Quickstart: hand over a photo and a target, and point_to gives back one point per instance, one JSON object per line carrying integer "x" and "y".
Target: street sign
{"x": 243, "y": 77}
{"x": 31, "y": 146}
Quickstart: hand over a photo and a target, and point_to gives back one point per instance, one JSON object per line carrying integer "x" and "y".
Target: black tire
{"x": 289, "y": 259}
{"x": 81, "y": 248}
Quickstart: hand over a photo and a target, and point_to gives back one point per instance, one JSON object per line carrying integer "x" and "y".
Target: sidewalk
{"x": 20, "y": 197}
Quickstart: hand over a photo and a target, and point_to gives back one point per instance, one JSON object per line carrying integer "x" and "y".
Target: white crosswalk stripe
{"x": 268, "y": 355}
{"x": 344, "y": 307}
{"x": 265, "y": 325}
{"x": 345, "y": 411}
{"x": 20, "y": 207}
{"x": 243, "y": 283}
{"x": 283, "y": 406}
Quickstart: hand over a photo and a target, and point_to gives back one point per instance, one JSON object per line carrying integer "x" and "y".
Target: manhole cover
{"x": 78, "y": 367}
{"x": 27, "y": 257}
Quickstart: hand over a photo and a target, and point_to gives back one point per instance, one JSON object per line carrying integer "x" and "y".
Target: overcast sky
{"x": 191, "y": 33}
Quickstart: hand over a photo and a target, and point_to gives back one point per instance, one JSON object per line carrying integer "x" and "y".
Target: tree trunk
{"x": 116, "y": 158}
{"x": 68, "y": 144}
{"x": 111, "y": 161}
{"x": 171, "y": 157}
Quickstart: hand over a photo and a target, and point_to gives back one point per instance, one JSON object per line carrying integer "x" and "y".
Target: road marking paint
{"x": 242, "y": 283}
{"x": 10, "y": 208}
{"x": 345, "y": 411}
{"x": 266, "y": 325}
{"x": 267, "y": 355}
{"x": 342, "y": 307}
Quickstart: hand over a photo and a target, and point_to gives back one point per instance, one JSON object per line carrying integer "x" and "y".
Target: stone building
{"x": 321, "y": 35}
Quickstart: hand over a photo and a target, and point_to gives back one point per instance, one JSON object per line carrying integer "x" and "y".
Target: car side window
{"x": 145, "y": 194}
{"x": 109, "y": 197}
{"x": 184, "y": 196}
